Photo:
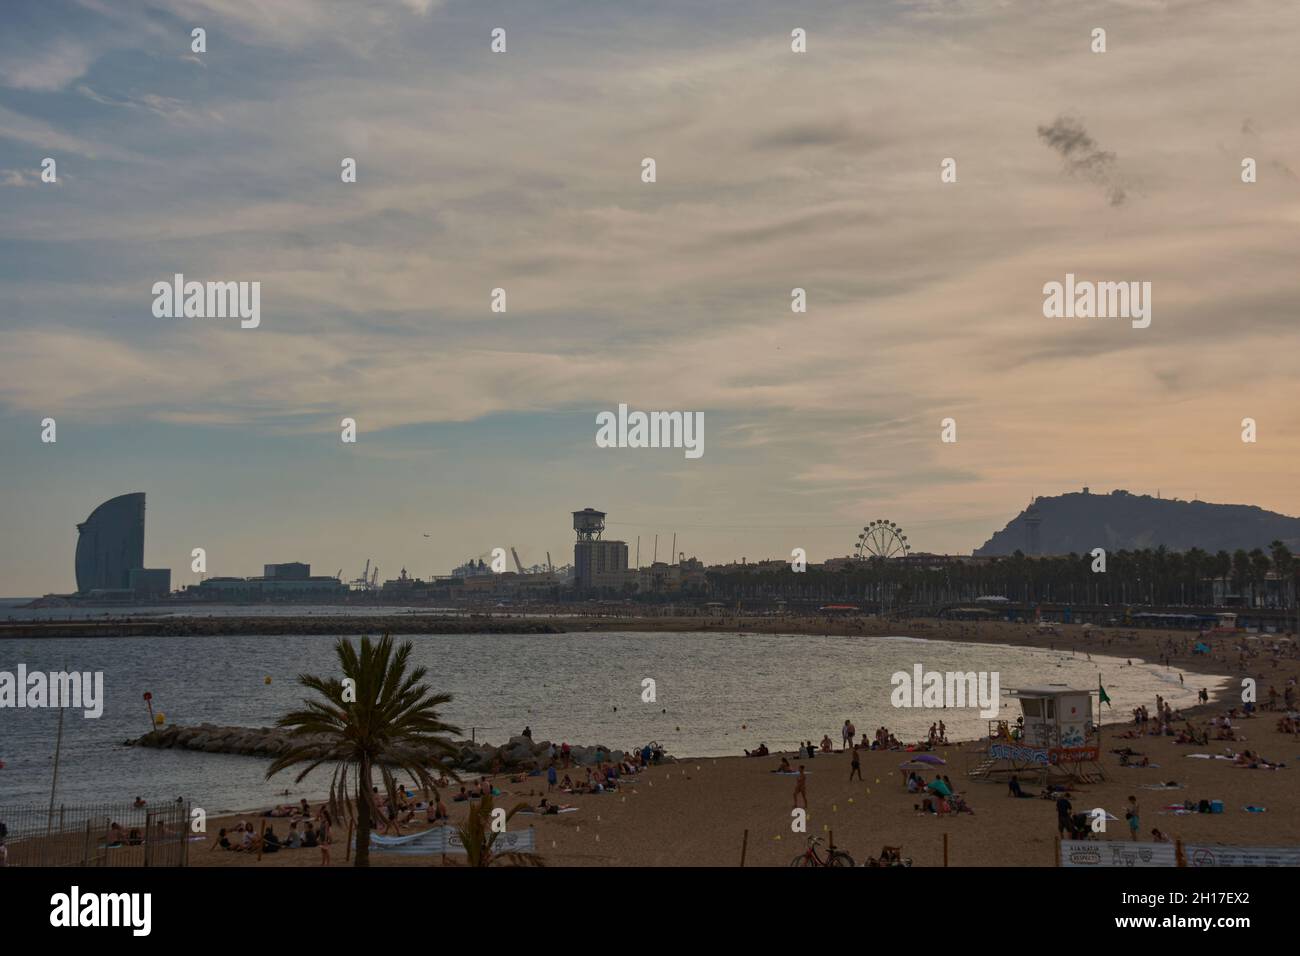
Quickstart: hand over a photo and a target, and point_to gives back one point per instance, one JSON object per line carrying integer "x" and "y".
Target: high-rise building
{"x": 597, "y": 564}
{"x": 110, "y": 544}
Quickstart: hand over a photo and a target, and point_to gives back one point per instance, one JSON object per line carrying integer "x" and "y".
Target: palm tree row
{"x": 1148, "y": 576}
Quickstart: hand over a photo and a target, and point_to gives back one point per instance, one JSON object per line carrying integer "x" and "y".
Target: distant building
{"x": 269, "y": 587}
{"x": 293, "y": 571}
{"x": 597, "y": 564}
{"x": 110, "y": 544}
{"x": 151, "y": 583}
{"x": 600, "y": 564}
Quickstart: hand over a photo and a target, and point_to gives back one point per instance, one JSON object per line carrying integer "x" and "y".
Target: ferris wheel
{"x": 882, "y": 539}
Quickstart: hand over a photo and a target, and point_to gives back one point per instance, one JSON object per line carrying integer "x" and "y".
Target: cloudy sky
{"x": 522, "y": 170}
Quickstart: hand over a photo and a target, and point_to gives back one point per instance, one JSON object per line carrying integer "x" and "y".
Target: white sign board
{"x": 447, "y": 840}
{"x": 1116, "y": 853}
{"x": 1202, "y": 855}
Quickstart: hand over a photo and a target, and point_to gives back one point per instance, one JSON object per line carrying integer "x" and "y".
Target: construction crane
{"x": 518, "y": 566}
{"x": 549, "y": 567}
{"x": 374, "y": 578}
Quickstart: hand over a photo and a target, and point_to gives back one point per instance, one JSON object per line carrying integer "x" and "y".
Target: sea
{"x": 715, "y": 694}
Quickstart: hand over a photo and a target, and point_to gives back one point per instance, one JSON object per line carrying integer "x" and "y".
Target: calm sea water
{"x": 717, "y": 693}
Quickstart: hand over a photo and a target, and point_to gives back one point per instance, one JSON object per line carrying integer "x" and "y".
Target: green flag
{"x": 1103, "y": 699}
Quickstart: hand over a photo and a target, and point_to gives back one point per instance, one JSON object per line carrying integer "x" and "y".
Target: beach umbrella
{"x": 930, "y": 759}
{"x": 939, "y": 787}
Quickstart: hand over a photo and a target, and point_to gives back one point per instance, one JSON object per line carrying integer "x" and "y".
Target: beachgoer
{"x": 801, "y": 788}
{"x": 325, "y": 836}
{"x": 856, "y": 769}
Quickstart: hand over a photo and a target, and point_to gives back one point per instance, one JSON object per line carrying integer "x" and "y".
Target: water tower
{"x": 589, "y": 523}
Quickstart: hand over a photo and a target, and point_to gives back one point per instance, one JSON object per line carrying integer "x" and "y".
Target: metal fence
{"x": 96, "y": 835}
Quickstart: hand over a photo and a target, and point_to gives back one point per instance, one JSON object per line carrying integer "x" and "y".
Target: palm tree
{"x": 1284, "y": 564}
{"x": 1259, "y": 568}
{"x": 479, "y": 837}
{"x": 378, "y": 715}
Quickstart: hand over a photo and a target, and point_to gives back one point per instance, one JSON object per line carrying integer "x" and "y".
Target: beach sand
{"x": 694, "y": 812}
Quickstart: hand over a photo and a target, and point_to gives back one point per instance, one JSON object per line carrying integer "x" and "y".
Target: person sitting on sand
{"x": 759, "y": 751}
{"x": 309, "y": 836}
{"x": 566, "y": 783}
{"x": 785, "y": 766}
{"x": 222, "y": 841}
{"x": 270, "y": 842}
{"x": 1157, "y": 836}
{"x": 437, "y": 810}
{"x": 294, "y": 839}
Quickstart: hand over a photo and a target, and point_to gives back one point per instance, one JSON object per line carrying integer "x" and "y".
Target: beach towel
{"x": 1162, "y": 786}
{"x": 1254, "y": 809}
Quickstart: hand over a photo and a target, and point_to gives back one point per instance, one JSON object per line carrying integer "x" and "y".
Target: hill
{"x": 1081, "y": 521}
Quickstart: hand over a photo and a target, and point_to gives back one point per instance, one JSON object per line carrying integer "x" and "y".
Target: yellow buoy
{"x": 266, "y": 680}
{"x": 158, "y": 718}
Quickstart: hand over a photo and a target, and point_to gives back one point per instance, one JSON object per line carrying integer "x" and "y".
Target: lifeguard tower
{"x": 1054, "y": 739}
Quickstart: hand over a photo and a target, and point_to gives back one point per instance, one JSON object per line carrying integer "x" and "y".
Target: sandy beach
{"x": 695, "y": 812}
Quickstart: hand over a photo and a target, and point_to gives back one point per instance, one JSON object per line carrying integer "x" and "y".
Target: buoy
{"x": 266, "y": 680}
{"x": 159, "y": 718}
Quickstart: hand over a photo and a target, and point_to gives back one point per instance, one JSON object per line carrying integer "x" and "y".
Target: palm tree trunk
{"x": 361, "y": 848}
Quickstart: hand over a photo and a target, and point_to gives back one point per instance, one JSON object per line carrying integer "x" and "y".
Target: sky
{"x": 522, "y": 170}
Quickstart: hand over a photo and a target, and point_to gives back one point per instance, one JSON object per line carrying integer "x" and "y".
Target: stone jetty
{"x": 521, "y": 753}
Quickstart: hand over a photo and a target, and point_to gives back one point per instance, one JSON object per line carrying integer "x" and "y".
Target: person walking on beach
{"x": 1063, "y": 811}
{"x": 324, "y": 836}
{"x": 857, "y": 767}
{"x": 550, "y": 777}
{"x": 1132, "y": 816}
{"x": 801, "y": 788}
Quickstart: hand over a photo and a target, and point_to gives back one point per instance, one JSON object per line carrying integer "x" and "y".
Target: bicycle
{"x": 810, "y": 857}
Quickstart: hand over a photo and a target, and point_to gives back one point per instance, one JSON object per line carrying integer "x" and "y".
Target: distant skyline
{"x": 522, "y": 170}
